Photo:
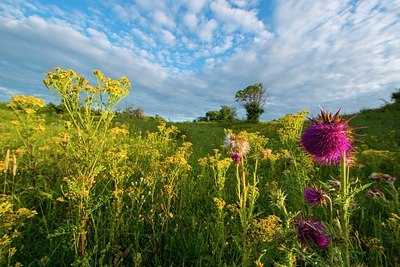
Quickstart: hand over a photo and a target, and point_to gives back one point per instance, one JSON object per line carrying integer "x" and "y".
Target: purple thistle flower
{"x": 237, "y": 158}
{"x": 382, "y": 177}
{"x": 374, "y": 193}
{"x": 310, "y": 231}
{"x": 315, "y": 196}
{"x": 377, "y": 192}
{"x": 328, "y": 138}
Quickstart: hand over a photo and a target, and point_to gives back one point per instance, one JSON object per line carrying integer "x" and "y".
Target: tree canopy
{"x": 252, "y": 94}
{"x": 253, "y": 99}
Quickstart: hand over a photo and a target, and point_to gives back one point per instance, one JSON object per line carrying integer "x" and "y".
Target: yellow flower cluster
{"x": 180, "y": 158}
{"x": 292, "y": 128}
{"x": 10, "y": 220}
{"x": 71, "y": 86}
{"x": 265, "y": 229}
{"x": 27, "y": 104}
{"x": 219, "y": 202}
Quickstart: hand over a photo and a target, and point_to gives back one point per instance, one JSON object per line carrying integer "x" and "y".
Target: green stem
{"x": 344, "y": 214}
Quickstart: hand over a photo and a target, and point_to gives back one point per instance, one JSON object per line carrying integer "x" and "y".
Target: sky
{"x": 187, "y": 57}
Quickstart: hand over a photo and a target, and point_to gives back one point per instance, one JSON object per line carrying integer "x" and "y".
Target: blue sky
{"x": 186, "y": 57}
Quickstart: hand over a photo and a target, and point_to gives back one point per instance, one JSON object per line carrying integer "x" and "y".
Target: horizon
{"x": 185, "y": 58}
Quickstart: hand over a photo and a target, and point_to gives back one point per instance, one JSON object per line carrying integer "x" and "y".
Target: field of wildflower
{"x": 90, "y": 188}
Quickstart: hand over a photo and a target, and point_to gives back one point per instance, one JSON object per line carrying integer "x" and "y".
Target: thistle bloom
{"x": 315, "y": 196}
{"x": 328, "y": 138}
{"x": 237, "y": 158}
{"x": 310, "y": 231}
{"x": 376, "y": 193}
{"x": 382, "y": 177}
{"x": 237, "y": 144}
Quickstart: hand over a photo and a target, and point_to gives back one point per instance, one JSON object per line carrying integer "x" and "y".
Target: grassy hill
{"x": 379, "y": 129}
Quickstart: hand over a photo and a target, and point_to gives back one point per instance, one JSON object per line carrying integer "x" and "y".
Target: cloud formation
{"x": 185, "y": 58}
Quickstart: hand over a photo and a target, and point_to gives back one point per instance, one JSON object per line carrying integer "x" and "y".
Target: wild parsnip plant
{"x": 106, "y": 190}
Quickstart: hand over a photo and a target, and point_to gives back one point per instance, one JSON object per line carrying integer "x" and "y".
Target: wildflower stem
{"x": 344, "y": 214}
{"x": 242, "y": 198}
{"x": 244, "y": 217}
{"x": 238, "y": 185}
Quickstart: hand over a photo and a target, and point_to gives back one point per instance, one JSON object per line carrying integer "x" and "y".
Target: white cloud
{"x": 162, "y": 19}
{"x": 207, "y": 29}
{"x": 334, "y": 53}
{"x": 122, "y": 13}
{"x": 236, "y": 18}
{"x": 227, "y": 44}
{"x": 147, "y": 39}
{"x": 145, "y": 4}
{"x": 195, "y": 6}
{"x": 47, "y": 45}
{"x": 167, "y": 37}
{"x": 190, "y": 20}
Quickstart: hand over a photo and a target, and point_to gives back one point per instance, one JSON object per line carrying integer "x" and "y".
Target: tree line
{"x": 252, "y": 98}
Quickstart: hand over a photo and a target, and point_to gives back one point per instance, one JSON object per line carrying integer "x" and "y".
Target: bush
{"x": 396, "y": 95}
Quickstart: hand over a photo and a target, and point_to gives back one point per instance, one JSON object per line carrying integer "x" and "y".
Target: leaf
{"x": 360, "y": 189}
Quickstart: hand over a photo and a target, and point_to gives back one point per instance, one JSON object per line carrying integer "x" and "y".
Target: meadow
{"x": 91, "y": 187}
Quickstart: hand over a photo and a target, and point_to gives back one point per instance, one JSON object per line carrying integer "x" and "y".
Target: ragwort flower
{"x": 311, "y": 231}
{"x": 328, "y": 138}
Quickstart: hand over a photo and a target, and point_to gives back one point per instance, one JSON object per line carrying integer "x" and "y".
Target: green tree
{"x": 138, "y": 113}
{"x": 212, "y": 115}
{"x": 396, "y": 95}
{"x": 227, "y": 114}
{"x": 252, "y": 98}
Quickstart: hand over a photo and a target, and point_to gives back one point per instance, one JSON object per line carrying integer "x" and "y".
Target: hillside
{"x": 379, "y": 128}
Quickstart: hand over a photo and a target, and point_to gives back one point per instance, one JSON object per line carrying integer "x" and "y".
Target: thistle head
{"x": 237, "y": 144}
{"x": 315, "y": 196}
{"x": 311, "y": 231}
{"x": 382, "y": 177}
{"x": 374, "y": 193}
{"x": 237, "y": 158}
{"x": 328, "y": 138}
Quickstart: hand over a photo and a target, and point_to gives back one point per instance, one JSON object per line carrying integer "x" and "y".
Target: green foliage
{"x": 253, "y": 98}
{"x": 396, "y": 95}
{"x": 138, "y": 113}
{"x": 227, "y": 114}
{"x": 52, "y": 108}
{"x": 253, "y": 112}
{"x": 87, "y": 136}
{"x": 11, "y": 221}
{"x": 212, "y": 115}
